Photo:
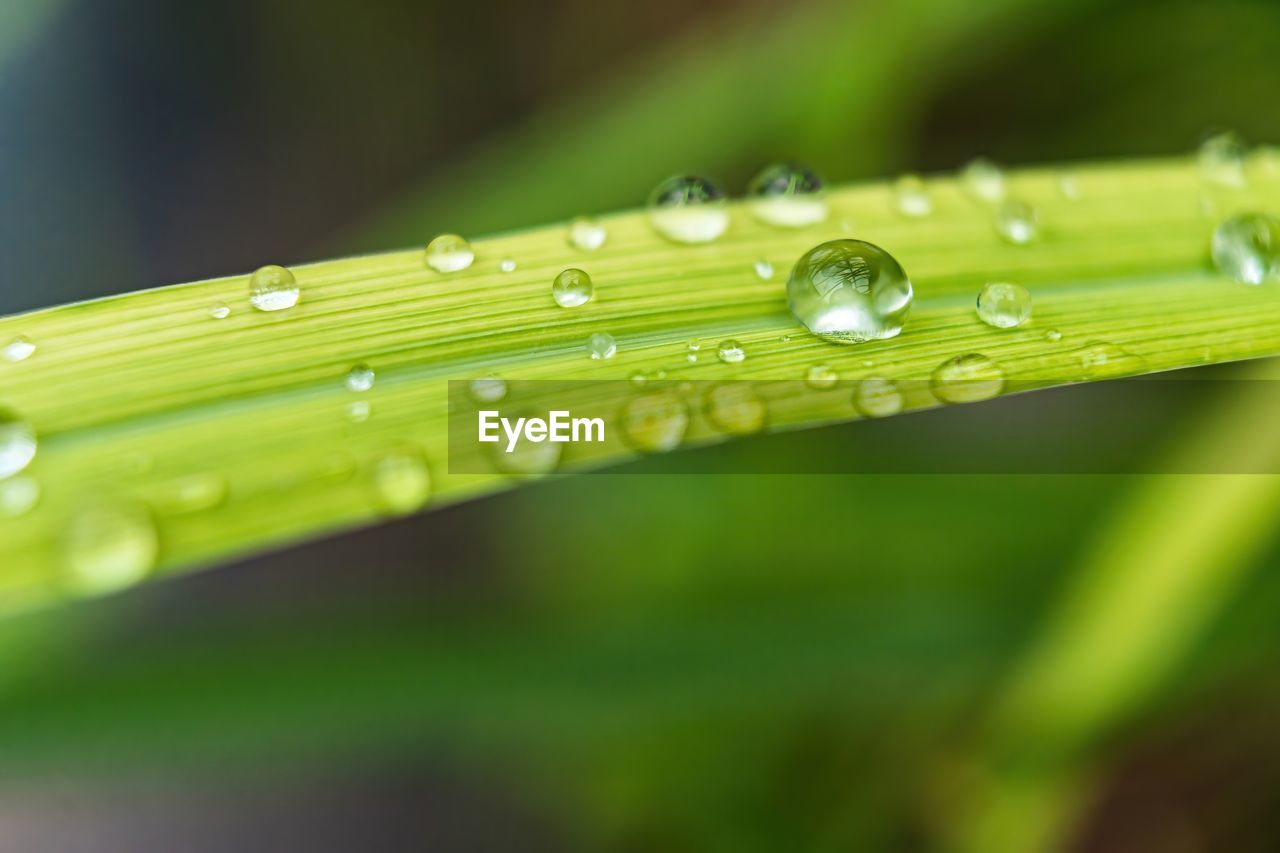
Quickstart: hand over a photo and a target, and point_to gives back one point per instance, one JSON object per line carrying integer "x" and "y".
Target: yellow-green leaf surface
{"x": 235, "y": 434}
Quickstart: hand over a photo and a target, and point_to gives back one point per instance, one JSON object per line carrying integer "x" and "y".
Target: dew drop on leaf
{"x": 787, "y": 195}
{"x": 849, "y": 291}
{"x": 688, "y": 209}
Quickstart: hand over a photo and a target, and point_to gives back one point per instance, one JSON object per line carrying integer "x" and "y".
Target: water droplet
{"x": 360, "y": 378}
{"x": 688, "y": 209}
{"x": 18, "y": 496}
{"x": 967, "y": 378}
{"x": 449, "y": 253}
{"x": 764, "y": 269}
{"x": 401, "y": 481}
{"x": 787, "y": 195}
{"x": 108, "y": 548}
{"x": 694, "y": 345}
{"x": 572, "y": 288}
{"x": 1247, "y": 247}
{"x": 849, "y": 291}
{"x": 639, "y": 378}
{"x": 220, "y": 311}
{"x": 1004, "y": 305}
{"x": 911, "y": 196}
{"x": 507, "y": 265}
{"x": 655, "y": 422}
{"x": 587, "y": 234}
{"x": 1221, "y": 157}
{"x": 359, "y": 411}
{"x": 786, "y": 339}
{"x": 17, "y": 443}
{"x": 878, "y": 398}
{"x": 1101, "y": 359}
{"x": 273, "y": 288}
{"x": 1016, "y": 221}
{"x": 1052, "y": 335}
{"x": 1069, "y": 186}
{"x": 821, "y": 377}
{"x": 601, "y": 345}
{"x": 487, "y": 389}
{"x": 18, "y": 349}
{"x": 528, "y": 458}
{"x": 731, "y": 352}
{"x": 192, "y": 493}
{"x": 735, "y": 408}
{"x": 983, "y": 179}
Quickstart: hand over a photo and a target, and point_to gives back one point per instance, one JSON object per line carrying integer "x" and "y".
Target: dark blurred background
{"x": 635, "y": 663}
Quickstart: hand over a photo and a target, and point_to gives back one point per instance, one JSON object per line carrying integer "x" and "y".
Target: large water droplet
{"x": 108, "y": 548}
{"x": 849, "y": 291}
{"x": 449, "y": 253}
{"x": 401, "y": 481}
{"x": 967, "y": 378}
{"x": 587, "y": 234}
{"x": 1004, "y": 305}
{"x": 878, "y": 398}
{"x": 787, "y": 195}
{"x": 983, "y": 179}
{"x": 487, "y": 389}
{"x": 18, "y": 496}
{"x": 911, "y": 197}
{"x": 730, "y": 351}
{"x": 821, "y": 377}
{"x": 1017, "y": 222}
{"x": 17, "y": 443}
{"x": 654, "y": 422}
{"x": 1247, "y": 247}
{"x": 572, "y": 288}
{"x": 735, "y": 408}
{"x": 601, "y": 345}
{"x": 1221, "y": 159}
{"x": 688, "y": 209}
{"x": 360, "y": 378}
{"x": 18, "y": 349}
{"x": 273, "y": 288}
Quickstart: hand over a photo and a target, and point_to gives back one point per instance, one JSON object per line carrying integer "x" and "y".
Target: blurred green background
{"x": 663, "y": 662}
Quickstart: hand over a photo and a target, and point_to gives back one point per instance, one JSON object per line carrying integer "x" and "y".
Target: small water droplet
{"x": 19, "y": 349}
{"x": 528, "y": 459}
{"x": 694, "y": 345}
{"x": 273, "y": 288}
{"x": 1017, "y": 222}
{"x": 1247, "y": 247}
{"x": 220, "y": 311}
{"x": 688, "y": 209}
{"x": 983, "y": 179}
{"x": 735, "y": 408}
{"x": 572, "y": 288}
{"x": 787, "y": 195}
{"x": 18, "y": 496}
{"x": 821, "y": 377}
{"x": 401, "y": 481}
{"x": 639, "y": 378}
{"x": 108, "y": 548}
{"x": 189, "y": 494}
{"x": 654, "y": 422}
{"x": 731, "y": 352}
{"x": 359, "y": 411}
{"x": 449, "y": 253}
{"x": 17, "y": 443}
{"x": 967, "y": 378}
{"x": 846, "y": 226}
{"x": 878, "y": 398}
{"x": 911, "y": 196}
{"x": 1102, "y": 359}
{"x": 487, "y": 389}
{"x": 507, "y": 265}
{"x": 1221, "y": 158}
{"x": 1069, "y": 186}
{"x": 764, "y": 269}
{"x": 1052, "y": 335}
{"x": 786, "y": 339}
{"x": 849, "y": 291}
{"x": 360, "y": 378}
{"x": 587, "y": 234}
{"x": 1004, "y": 305}
{"x": 601, "y": 345}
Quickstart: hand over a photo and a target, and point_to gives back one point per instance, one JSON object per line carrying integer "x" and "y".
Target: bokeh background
{"x": 664, "y": 662}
